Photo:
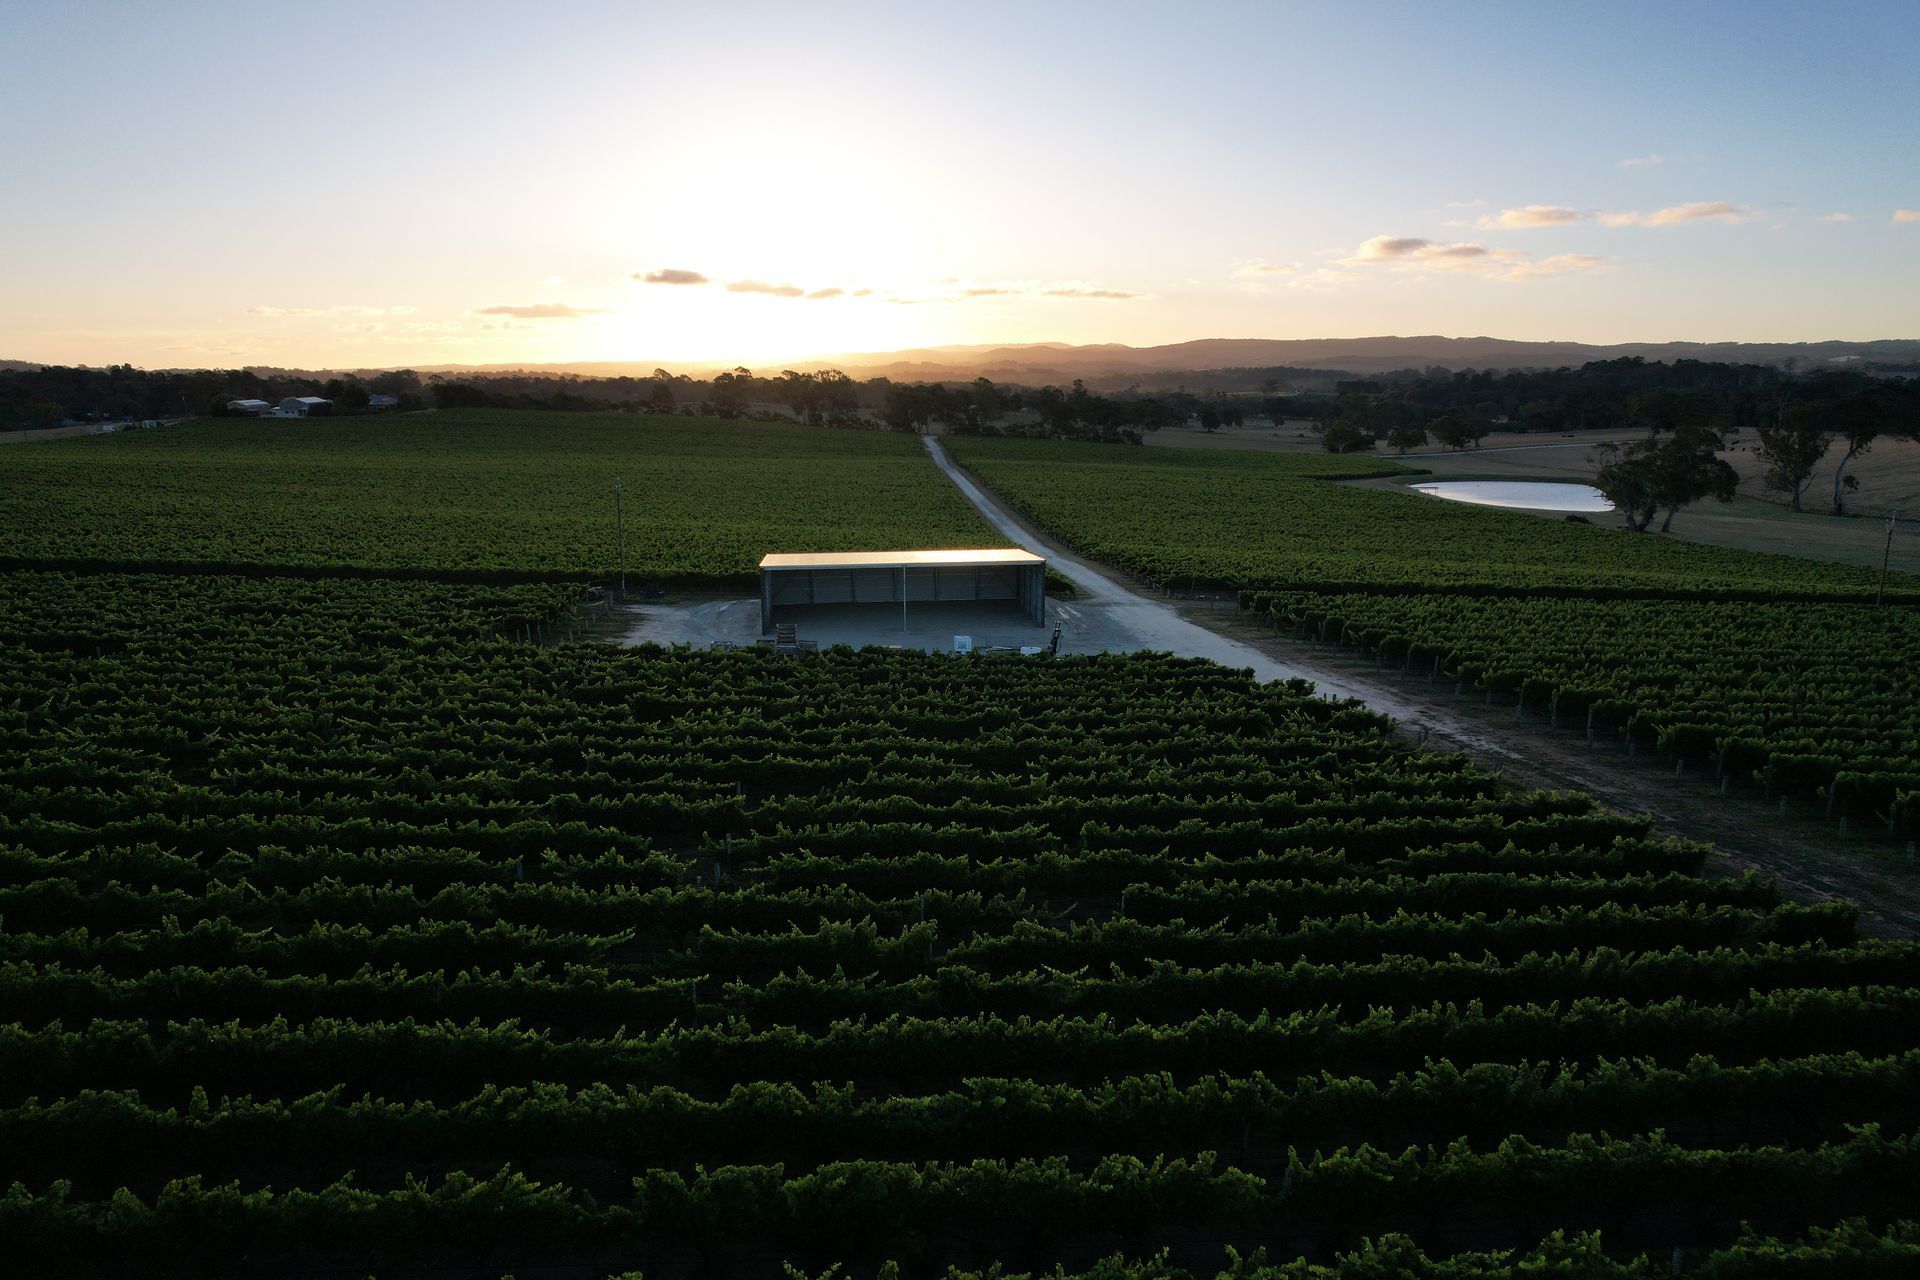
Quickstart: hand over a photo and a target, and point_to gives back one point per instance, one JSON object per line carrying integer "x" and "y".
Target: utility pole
{"x": 620, "y": 534}
{"x": 1886, "y": 557}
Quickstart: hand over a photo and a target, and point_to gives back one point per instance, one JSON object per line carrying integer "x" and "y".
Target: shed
{"x": 302, "y": 407}
{"x": 253, "y": 408}
{"x": 886, "y": 577}
{"x": 379, "y": 401}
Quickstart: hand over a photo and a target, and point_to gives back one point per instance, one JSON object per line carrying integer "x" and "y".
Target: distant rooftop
{"x": 974, "y": 559}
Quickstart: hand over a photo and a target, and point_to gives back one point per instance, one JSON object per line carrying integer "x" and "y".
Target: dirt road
{"x": 1811, "y": 860}
{"x": 1153, "y": 623}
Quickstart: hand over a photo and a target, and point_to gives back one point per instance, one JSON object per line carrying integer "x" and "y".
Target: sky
{"x": 367, "y": 186}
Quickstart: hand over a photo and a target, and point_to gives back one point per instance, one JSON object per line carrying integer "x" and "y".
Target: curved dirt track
{"x": 1810, "y": 860}
{"x": 1157, "y": 624}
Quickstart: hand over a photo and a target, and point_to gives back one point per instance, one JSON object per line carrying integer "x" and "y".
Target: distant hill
{"x": 1114, "y": 363}
{"x": 1040, "y": 362}
{"x": 1357, "y": 354}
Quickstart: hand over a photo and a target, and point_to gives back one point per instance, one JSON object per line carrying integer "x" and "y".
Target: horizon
{"x": 622, "y": 186}
{"x": 955, "y": 357}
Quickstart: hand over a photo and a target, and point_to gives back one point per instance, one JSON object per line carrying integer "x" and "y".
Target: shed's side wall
{"x": 1024, "y": 585}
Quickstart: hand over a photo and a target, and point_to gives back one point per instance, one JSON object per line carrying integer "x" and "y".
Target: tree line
{"x": 1687, "y": 409}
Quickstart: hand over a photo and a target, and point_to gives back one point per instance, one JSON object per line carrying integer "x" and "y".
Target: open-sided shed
{"x": 885, "y": 577}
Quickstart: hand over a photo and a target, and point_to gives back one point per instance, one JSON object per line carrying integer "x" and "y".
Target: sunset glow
{"x": 374, "y": 186}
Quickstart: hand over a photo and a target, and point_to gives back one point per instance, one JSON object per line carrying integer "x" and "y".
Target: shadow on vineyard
{"x": 1784, "y": 678}
{"x": 357, "y": 922}
{"x": 1008, "y": 786}
{"x": 345, "y": 934}
{"x": 1801, "y": 838}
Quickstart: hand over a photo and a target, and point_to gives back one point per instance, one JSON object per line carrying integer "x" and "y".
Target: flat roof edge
{"x": 956, "y": 558}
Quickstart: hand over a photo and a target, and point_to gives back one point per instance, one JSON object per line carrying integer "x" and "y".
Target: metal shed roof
{"x": 973, "y": 559}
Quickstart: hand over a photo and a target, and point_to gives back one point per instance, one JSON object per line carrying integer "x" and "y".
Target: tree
{"x": 394, "y": 382}
{"x": 983, "y": 406}
{"x": 1407, "y": 437}
{"x": 1649, "y": 476}
{"x": 1541, "y": 415}
{"x": 1691, "y": 469}
{"x": 661, "y": 400}
{"x": 1857, "y": 420}
{"x": 1791, "y": 447}
{"x": 730, "y": 392}
{"x": 801, "y": 394}
{"x": 1343, "y": 435}
{"x": 907, "y": 406}
{"x": 351, "y": 397}
{"x": 458, "y": 395}
{"x": 1209, "y": 419}
{"x": 835, "y": 392}
{"x": 1457, "y": 432}
{"x": 1626, "y": 477}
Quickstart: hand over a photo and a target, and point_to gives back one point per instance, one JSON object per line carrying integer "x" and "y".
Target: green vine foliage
{"x": 342, "y": 931}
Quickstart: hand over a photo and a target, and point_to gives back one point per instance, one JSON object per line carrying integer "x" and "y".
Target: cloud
{"x": 1415, "y": 249}
{"x": 1254, "y": 270}
{"x": 542, "y": 311}
{"x": 1532, "y": 215}
{"x": 1906, "y": 215}
{"x": 1838, "y": 217}
{"x": 947, "y": 289}
{"x": 761, "y": 286}
{"x": 1075, "y": 291}
{"x": 1697, "y": 211}
{"x": 299, "y": 313}
{"x": 1674, "y": 214}
{"x": 1560, "y": 264}
{"x": 1416, "y": 254}
{"x": 963, "y": 292}
{"x": 1382, "y": 248}
{"x": 1644, "y": 162}
{"x": 670, "y": 275}
{"x": 364, "y": 326}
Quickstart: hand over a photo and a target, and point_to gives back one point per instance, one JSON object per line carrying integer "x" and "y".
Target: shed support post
{"x": 903, "y": 598}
